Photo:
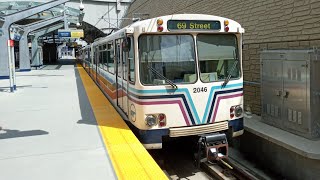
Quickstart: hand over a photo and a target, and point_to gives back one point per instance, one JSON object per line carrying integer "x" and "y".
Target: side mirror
{"x": 126, "y": 44}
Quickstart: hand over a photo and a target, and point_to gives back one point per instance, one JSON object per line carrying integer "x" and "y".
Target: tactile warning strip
{"x": 129, "y": 158}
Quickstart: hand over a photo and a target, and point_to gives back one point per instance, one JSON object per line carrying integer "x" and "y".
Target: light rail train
{"x": 172, "y": 76}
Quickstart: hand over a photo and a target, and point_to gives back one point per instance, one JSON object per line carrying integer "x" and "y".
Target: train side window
{"x": 96, "y": 55}
{"x": 131, "y": 62}
{"x": 105, "y": 60}
{"x": 110, "y": 55}
{"x": 103, "y": 55}
{"x": 124, "y": 64}
{"x": 100, "y": 56}
{"x": 118, "y": 59}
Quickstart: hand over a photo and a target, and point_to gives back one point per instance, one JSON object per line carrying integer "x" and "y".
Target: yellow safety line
{"x": 129, "y": 158}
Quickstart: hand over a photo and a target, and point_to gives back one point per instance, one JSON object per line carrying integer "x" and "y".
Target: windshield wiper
{"x": 225, "y": 82}
{"x": 163, "y": 77}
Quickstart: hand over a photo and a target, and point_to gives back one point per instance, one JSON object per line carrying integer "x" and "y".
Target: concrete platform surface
{"x": 46, "y": 134}
{"x": 302, "y": 146}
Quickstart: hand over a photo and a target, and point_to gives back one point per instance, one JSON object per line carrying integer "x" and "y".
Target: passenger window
{"x": 96, "y": 56}
{"x": 124, "y": 64}
{"x": 110, "y": 56}
{"x": 118, "y": 59}
{"x": 100, "y": 56}
{"x": 131, "y": 62}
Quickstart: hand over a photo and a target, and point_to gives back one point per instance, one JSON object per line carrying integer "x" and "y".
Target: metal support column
{"x": 10, "y": 43}
{"x": 35, "y": 60}
{"x": 6, "y": 21}
{"x": 4, "y": 62}
{"x": 66, "y": 25}
{"x": 23, "y": 44}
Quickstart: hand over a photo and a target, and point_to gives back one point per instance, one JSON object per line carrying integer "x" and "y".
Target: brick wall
{"x": 269, "y": 24}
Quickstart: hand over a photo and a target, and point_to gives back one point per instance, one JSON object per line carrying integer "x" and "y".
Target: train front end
{"x": 190, "y": 78}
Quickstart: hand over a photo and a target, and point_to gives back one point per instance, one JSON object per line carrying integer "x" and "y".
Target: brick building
{"x": 269, "y": 24}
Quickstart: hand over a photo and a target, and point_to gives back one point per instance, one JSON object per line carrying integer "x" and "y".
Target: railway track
{"x": 177, "y": 160}
{"x": 227, "y": 169}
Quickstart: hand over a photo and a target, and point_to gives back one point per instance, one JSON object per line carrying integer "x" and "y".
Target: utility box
{"x": 290, "y": 90}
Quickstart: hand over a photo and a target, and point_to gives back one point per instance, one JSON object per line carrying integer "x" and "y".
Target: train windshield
{"x": 218, "y": 57}
{"x": 167, "y": 59}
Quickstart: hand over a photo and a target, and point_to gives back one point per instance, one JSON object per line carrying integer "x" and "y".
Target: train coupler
{"x": 212, "y": 147}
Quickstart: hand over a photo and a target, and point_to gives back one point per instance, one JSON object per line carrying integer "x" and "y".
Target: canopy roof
{"x": 73, "y": 16}
{"x": 11, "y": 7}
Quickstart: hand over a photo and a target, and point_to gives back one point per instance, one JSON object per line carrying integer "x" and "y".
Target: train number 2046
{"x": 200, "y": 89}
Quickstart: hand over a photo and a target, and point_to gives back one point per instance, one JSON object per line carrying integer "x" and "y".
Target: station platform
{"x": 58, "y": 125}
{"x": 279, "y": 151}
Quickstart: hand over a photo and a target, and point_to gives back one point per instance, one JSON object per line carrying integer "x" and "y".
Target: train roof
{"x": 150, "y": 25}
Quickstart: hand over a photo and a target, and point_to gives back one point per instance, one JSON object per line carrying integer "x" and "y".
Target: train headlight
{"x": 235, "y": 111}
{"x": 238, "y": 111}
{"x": 151, "y": 120}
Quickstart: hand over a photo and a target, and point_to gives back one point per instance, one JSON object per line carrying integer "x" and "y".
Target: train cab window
{"x": 218, "y": 57}
{"x": 166, "y": 59}
{"x": 131, "y": 61}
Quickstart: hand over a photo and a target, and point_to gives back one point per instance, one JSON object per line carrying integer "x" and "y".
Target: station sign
{"x": 15, "y": 34}
{"x": 193, "y": 25}
{"x": 70, "y": 33}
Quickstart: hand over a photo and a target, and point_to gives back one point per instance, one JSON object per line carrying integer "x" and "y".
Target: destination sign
{"x": 193, "y": 25}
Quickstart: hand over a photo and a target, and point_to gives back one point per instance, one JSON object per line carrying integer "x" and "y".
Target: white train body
{"x": 176, "y": 75}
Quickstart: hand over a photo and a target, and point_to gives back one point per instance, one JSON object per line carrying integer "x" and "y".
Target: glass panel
{"x": 167, "y": 57}
{"x": 96, "y": 52}
{"x": 131, "y": 62}
{"x": 110, "y": 58}
{"x": 124, "y": 64}
{"x": 119, "y": 67}
{"x": 101, "y": 59}
{"x": 105, "y": 60}
{"x": 218, "y": 56}
{"x": 86, "y": 55}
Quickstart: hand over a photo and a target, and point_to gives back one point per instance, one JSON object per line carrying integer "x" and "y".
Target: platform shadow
{"x": 88, "y": 121}
{"x": 40, "y": 75}
{"x": 9, "y": 133}
{"x": 7, "y": 89}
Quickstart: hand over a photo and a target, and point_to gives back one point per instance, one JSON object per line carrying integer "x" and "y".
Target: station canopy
{"x": 73, "y": 15}
{"x": 11, "y": 7}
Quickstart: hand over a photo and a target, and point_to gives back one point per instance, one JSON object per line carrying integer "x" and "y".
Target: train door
{"x": 125, "y": 85}
{"x": 119, "y": 79}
